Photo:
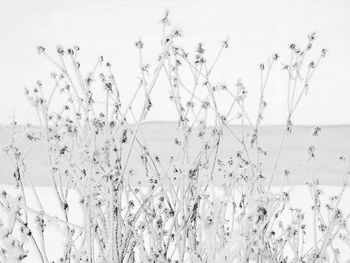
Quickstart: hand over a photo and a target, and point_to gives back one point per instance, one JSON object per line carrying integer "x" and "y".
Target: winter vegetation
{"x": 192, "y": 207}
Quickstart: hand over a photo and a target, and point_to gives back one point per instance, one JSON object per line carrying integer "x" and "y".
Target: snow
{"x": 300, "y": 198}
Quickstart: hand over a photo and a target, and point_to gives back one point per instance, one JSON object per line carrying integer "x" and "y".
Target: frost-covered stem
{"x": 277, "y": 158}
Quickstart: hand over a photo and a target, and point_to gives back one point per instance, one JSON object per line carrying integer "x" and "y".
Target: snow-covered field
{"x": 300, "y": 198}
{"x": 333, "y": 142}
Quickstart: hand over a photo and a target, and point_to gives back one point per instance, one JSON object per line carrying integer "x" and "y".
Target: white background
{"x": 256, "y": 30}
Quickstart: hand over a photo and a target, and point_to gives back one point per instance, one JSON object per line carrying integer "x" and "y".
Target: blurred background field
{"x": 332, "y": 142}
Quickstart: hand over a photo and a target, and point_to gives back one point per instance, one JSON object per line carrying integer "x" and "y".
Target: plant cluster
{"x": 177, "y": 212}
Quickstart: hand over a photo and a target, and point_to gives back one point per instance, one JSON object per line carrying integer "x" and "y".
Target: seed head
{"x": 60, "y": 50}
{"x": 312, "y": 65}
{"x": 139, "y": 44}
{"x": 275, "y": 56}
{"x": 312, "y": 36}
{"x": 40, "y": 50}
{"x": 324, "y": 52}
{"x": 165, "y": 19}
{"x": 316, "y": 131}
{"x": 225, "y": 43}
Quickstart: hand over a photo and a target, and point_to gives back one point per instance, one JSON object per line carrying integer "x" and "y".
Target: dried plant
{"x": 193, "y": 207}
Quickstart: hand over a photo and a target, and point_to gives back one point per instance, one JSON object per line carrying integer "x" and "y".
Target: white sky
{"x": 256, "y": 30}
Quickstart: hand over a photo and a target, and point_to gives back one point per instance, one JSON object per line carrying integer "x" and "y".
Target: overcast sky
{"x": 256, "y": 30}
